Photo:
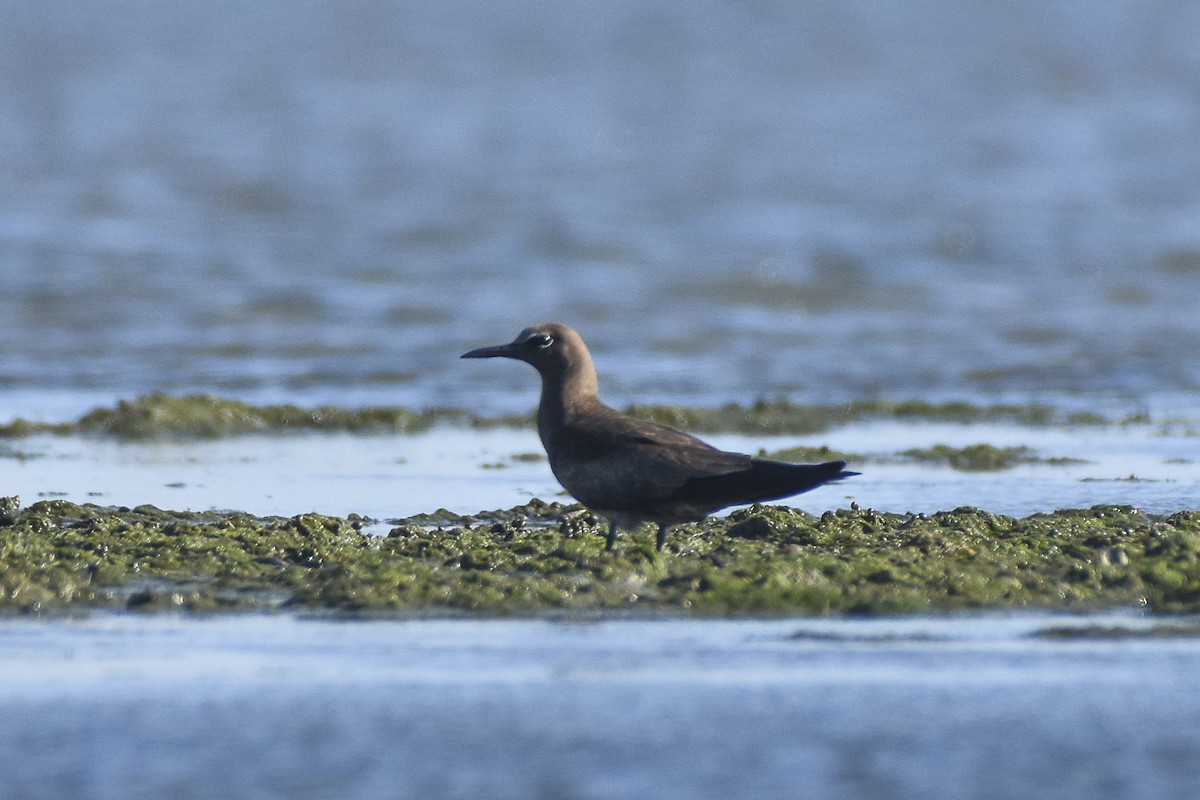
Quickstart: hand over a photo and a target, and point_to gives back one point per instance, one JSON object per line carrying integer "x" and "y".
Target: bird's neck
{"x": 563, "y": 396}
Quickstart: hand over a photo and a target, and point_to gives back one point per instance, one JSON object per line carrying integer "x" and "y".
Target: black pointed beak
{"x": 495, "y": 351}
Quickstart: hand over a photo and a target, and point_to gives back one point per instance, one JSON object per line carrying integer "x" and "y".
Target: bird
{"x": 631, "y": 470}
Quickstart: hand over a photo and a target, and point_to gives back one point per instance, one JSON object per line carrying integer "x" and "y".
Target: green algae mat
{"x": 56, "y": 556}
{"x": 160, "y": 415}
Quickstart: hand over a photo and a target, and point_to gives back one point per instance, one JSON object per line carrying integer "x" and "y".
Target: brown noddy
{"x": 631, "y": 470}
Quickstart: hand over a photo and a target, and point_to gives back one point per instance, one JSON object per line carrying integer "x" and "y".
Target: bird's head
{"x": 552, "y": 348}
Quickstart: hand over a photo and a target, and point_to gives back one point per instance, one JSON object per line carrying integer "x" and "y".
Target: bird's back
{"x": 615, "y": 463}
{"x": 606, "y": 459}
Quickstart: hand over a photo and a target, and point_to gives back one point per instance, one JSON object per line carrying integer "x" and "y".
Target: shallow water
{"x": 962, "y": 707}
{"x": 468, "y": 470}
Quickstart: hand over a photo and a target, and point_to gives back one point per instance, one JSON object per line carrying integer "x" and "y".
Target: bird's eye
{"x": 541, "y": 340}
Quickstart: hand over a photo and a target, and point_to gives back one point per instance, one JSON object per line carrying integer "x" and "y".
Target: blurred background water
{"x": 328, "y": 202}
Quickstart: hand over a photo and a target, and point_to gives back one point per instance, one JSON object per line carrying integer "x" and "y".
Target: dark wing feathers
{"x": 639, "y": 462}
{"x": 616, "y": 462}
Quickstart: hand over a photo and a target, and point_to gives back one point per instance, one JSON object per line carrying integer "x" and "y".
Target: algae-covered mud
{"x": 161, "y": 415}
{"x": 59, "y": 556}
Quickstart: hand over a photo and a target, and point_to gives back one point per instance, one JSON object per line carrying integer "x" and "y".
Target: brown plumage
{"x": 630, "y": 470}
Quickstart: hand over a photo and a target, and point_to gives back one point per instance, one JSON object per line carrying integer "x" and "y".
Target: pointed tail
{"x": 764, "y": 480}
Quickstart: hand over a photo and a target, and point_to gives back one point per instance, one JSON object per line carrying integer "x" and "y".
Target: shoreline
{"x": 1122, "y": 535}
{"x": 204, "y": 416}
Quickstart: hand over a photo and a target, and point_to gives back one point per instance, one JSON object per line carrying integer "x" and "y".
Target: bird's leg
{"x": 662, "y": 536}
{"x": 612, "y": 535}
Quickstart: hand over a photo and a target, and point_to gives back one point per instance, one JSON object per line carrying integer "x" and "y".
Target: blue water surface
{"x": 329, "y": 202}
{"x": 251, "y": 707}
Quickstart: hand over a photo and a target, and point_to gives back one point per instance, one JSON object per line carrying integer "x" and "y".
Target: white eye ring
{"x": 542, "y": 340}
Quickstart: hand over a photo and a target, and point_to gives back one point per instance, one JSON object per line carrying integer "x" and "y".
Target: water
{"x": 322, "y": 202}
{"x": 329, "y": 202}
{"x": 466, "y": 471}
{"x": 965, "y": 707}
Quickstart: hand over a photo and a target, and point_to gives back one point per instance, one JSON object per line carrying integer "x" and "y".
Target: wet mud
{"x": 542, "y": 557}
{"x": 160, "y": 415}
